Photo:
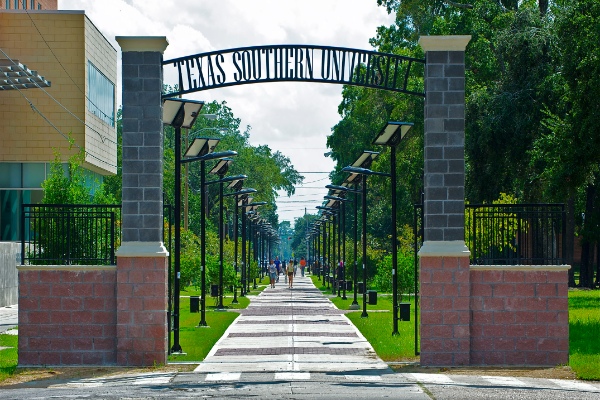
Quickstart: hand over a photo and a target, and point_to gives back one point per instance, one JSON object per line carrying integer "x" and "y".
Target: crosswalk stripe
{"x": 224, "y": 376}
{"x": 574, "y": 385}
{"x": 365, "y": 378}
{"x": 431, "y": 378}
{"x": 504, "y": 381}
{"x": 292, "y": 376}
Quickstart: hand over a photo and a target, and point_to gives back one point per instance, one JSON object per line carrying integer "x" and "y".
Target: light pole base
{"x": 364, "y": 315}
{"x": 354, "y": 307}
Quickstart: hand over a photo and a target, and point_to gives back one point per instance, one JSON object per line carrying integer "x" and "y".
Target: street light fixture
{"x": 221, "y": 169}
{"x": 203, "y": 158}
{"x": 391, "y": 135}
{"x": 179, "y": 113}
{"x": 239, "y": 194}
{"x": 364, "y": 172}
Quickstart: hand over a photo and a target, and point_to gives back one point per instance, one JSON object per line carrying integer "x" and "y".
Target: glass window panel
{"x": 101, "y": 95}
{"x": 10, "y": 175}
{"x": 10, "y": 212}
{"x": 33, "y": 175}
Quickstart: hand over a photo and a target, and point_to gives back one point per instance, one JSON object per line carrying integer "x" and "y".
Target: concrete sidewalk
{"x": 9, "y": 317}
{"x": 295, "y": 330}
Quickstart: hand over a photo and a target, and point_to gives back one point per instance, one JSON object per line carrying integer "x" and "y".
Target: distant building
{"x": 69, "y": 52}
{"x": 28, "y": 4}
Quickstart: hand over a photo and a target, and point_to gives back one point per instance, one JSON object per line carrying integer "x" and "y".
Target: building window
{"x": 101, "y": 95}
{"x": 32, "y": 5}
{"x": 39, "y": 6}
{"x": 16, "y": 4}
{"x": 24, "y": 4}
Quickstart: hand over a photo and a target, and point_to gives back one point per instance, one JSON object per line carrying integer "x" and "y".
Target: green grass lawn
{"x": 8, "y": 357}
{"x": 584, "y": 333}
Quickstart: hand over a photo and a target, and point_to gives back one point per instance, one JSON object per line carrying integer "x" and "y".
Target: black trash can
{"x": 372, "y": 296}
{"x": 348, "y": 285}
{"x": 361, "y": 288}
{"x": 214, "y": 290}
{"x": 194, "y": 304}
{"x": 404, "y": 311}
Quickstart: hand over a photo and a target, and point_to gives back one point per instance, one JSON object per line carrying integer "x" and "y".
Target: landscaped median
{"x": 584, "y": 326}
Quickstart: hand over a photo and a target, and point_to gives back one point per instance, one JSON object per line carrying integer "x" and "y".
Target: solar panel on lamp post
{"x": 178, "y": 113}
{"x": 391, "y": 135}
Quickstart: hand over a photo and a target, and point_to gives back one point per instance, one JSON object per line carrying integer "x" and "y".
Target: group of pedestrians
{"x": 276, "y": 267}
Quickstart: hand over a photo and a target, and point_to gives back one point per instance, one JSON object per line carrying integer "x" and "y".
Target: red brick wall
{"x": 67, "y": 316}
{"x": 519, "y": 317}
{"x": 142, "y": 310}
{"x": 445, "y": 318}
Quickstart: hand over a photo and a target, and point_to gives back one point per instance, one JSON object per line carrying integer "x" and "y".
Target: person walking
{"x": 272, "y": 273}
{"x": 302, "y": 265}
{"x": 290, "y": 273}
{"x": 277, "y": 263}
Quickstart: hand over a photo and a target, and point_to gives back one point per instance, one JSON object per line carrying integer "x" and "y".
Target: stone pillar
{"x": 142, "y": 258}
{"x": 444, "y": 258}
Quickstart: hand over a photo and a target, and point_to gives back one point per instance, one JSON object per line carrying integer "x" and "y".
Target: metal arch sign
{"x": 298, "y": 63}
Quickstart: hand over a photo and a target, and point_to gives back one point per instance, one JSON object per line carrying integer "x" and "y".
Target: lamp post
{"x": 342, "y": 201}
{"x": 343, "y": 189}
{"x": 390, "y": 136}
{"x": 364, "y": 172}
{"x": 220, "y": 169}
{"x": 240, "y": 194}
{"x": 179, "y": 113}
{"x": 203, "y": 158}
{"x": 247, "y": 204}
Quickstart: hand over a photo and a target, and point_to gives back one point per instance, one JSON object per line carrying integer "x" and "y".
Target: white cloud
{"x": 294, "y": 118}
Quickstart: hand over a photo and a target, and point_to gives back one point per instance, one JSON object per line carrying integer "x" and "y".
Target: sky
{"x": 294, "y": 118}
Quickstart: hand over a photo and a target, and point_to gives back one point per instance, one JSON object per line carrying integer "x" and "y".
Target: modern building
{"x": 39, "y": 44}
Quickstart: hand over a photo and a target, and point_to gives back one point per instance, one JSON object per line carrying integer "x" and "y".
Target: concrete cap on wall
{"x": 453, "y": 248}
{"x": 142, "y": 43}
{"x": 444, "y": 43}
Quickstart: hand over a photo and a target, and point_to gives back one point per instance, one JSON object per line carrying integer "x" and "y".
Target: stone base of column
{"x": 445, "y": 296}
{"x": 520, "y": 315}
{"x": 142, "y": 304}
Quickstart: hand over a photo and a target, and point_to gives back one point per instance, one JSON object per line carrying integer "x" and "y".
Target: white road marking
{"x": 224, "y": 376}
{"x": 292, "y": 376}
{"x": 574, "y": 385}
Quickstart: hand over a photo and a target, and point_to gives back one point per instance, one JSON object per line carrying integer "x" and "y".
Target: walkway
{"x": 295, "y": 330}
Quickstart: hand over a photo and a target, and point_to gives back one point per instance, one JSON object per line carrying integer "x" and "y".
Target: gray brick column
{"x": 444, "y": 258}
{"x": 444, "y": 137}
{"x": 142, "y": 258}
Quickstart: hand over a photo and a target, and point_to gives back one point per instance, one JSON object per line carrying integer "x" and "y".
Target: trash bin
{"x": 404, "y": 311}
{"x": 361, "y": 288}
{"x": 194, "y": 304}
{"x": 348, "y": 285}
{"x": 214, "y": 290}
{"x": 372, "y": 296}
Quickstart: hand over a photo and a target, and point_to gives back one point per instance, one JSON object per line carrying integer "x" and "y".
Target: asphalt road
{"x": 303, "y": 385}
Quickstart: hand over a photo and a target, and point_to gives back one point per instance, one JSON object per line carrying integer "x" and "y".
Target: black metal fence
{"x": 510, "y": 234}
{"x": 515, "y": 234}
{"x": 71, "y": 234}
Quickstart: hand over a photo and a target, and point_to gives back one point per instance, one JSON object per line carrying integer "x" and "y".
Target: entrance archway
{"x": 142, "y": 128}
